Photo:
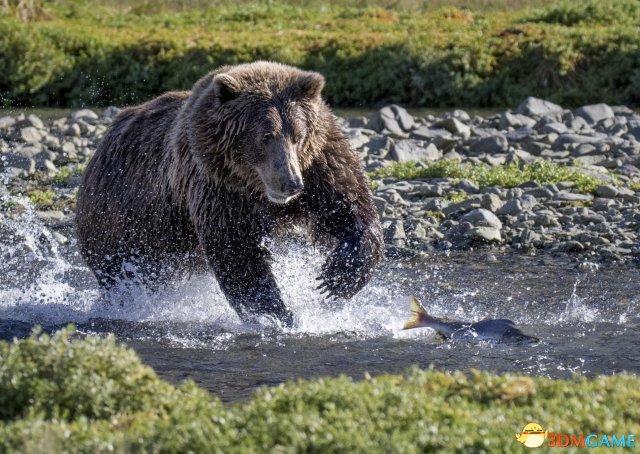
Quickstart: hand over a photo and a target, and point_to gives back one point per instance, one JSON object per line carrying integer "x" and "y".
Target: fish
{"x": 499, "y": 331}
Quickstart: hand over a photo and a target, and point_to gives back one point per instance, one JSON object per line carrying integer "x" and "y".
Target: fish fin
{"x": 418, "y": 314}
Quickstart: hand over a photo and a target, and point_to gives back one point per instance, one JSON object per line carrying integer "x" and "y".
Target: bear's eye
{"x": 267, "y": 137}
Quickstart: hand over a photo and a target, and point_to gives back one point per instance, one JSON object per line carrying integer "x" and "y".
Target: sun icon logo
{"x": 532, "y": 436}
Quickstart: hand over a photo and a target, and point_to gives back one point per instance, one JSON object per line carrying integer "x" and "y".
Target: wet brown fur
{"x": 173, "y": 186}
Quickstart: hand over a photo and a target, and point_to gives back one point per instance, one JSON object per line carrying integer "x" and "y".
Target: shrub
{"x": 92, "y": 395}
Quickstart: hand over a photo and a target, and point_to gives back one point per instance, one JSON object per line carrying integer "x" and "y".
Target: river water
{"x": 587, "y": 320}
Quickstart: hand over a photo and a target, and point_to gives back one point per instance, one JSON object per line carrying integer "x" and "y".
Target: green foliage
{"x": 41, "y": 198}
{"x": 506, "y": 175}
{"x": 66, "y": 173}
{"x": 92, "y": 395}
{"x": 87, "y": 53}
{"x": 605, "y": 12}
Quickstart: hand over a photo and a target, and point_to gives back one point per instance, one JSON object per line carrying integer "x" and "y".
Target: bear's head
{"x": 260, "y": 122}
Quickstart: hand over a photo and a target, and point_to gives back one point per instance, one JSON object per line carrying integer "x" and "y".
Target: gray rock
{"x": 485, "y": 235}
{"x": 490, "y": 145}
{"x": 536, "y": 106}
{"x": 28, "y": 134}
{"x": 569, "y": 246}
{"x": 455, "y": 126}
{"x": 595, "y": 112}
{"x": 509, "y": 120}
{"x": 72, "y": 130}
{"x": 607, "y": 192}
{"x": 394, "y": 119}
{"x": 463, "y": 206}
{"x": 514, "y": 206}
{"x": 482, "y": 218}
{"x": 34, "y": 121}
{"x": 110, "y": 112}
{"x": 414, "y": 150}
{"x": 84, "y": 114}
{"x": 395, "y": 231}
{"x": 565, "y": 196}
{"x": 427, "y": 133}
{"x": 495, "y": 160}
{"x": 468, "y": 186}
{"x": 491, "y": 202}
{"x": 7, "y": 122}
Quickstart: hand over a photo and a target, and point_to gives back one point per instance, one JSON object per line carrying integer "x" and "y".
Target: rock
{"x": 482, "y": 218}
{"x": 455, "y": 126}
{"x": 490, "y": 145}
{"x": 84, "y": 114}
{"x": 514, "y": 206}
{"x": 28, "y": 134}
{"x": 485, "y": 235}
{"x": 468, "y": 186}
{"x": 414, "y": 150}
{"x": 394, "y": 119}
{"x": 463, "y": 206}
{"x": 427, "y": 133}
{"x": 538, "y": 107}
{"x": 569, "y": 246}
{"x": 509, "y": 120}
{"x": 34, "y": 121}
{"x": 72, "y": 130}
{"x": 595, "y": 113}
{"x": 554, "y": 128}
{"x": 110, "y": 112}
{"x": 564, "y": 196}
{"x": 395, "y": 234}
{"x": 491, "y": 202}
{"x": 607, "y": 192}
{"x": 7, "y": 122}
{"x": 356, "y": 138}
{"x": 495, "y": 160}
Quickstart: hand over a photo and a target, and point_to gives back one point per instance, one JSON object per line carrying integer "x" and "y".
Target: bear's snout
{"x": 292, "y": 187}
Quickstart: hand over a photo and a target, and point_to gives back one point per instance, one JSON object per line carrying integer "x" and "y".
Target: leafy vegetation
{"x": 94, "y": 53}
{"x": 507, "y": 175}
{"x": 92, "y": 395}
{"x": 41, "y": 198}
{"x": 66, "y": 173}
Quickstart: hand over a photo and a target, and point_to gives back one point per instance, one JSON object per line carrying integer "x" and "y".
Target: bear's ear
{"x": 311, "y": 85}
{"x": 225, "y": 87}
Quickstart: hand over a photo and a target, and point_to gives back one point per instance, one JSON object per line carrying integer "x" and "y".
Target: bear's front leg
{"x": 349, "y": 267}
{"x": 244, "y": 273}
{"x": 339, "y": 196}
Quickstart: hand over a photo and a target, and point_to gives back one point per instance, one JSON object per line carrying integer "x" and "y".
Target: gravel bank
{"x": 594, "y": 214}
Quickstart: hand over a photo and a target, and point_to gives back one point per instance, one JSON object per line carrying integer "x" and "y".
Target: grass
{"x": 474, "y": 53}
{"x": 59, "y": 394}
{"x": 66, "y": 173}
{"x": 506, "y": 175}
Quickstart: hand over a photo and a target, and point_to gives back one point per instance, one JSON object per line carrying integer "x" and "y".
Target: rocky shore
{"x": 538, "y": 178}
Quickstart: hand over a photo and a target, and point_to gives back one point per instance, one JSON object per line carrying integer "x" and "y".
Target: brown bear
{"x": 199, "y": 178}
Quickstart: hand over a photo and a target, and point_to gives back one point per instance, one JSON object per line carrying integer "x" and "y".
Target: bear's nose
{"x": 292, "y": 187}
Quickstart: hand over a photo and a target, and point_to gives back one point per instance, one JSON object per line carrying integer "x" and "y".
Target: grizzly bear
{"x": 198, "y": 180}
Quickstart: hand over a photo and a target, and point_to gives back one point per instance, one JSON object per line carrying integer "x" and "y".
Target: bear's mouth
{"x": 280, "y": 198}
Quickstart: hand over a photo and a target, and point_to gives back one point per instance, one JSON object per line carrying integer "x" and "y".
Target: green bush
{"x": 605, "y": 12}
{"x": 85, "y": 53}
{"x": 92, "y": 395}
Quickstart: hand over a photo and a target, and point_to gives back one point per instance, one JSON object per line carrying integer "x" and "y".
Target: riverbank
{"x": 90, "y": 395}
{"x": 75, "y": 53}
{"x": 538, "y": 178}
